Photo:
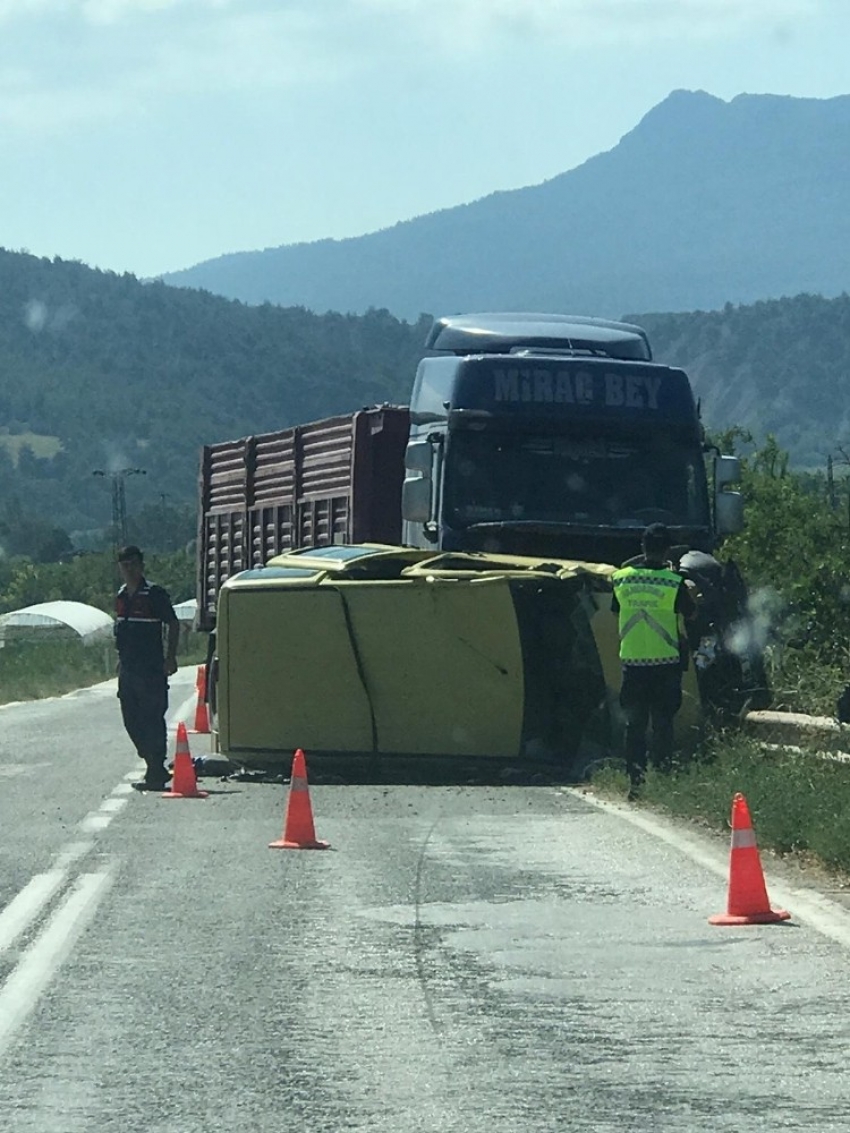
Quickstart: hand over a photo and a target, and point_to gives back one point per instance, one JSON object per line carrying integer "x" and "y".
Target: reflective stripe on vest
{"x": 649, "y": 625}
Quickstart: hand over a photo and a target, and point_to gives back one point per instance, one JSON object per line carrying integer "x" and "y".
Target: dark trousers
{"x": 144, "y": 702}
{"x": 649, "y": 692}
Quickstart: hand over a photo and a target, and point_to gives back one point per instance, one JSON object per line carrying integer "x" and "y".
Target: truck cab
{"x": 547, "y": 434}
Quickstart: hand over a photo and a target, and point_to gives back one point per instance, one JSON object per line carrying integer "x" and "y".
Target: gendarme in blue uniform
{"x": 139, "y": 618}
{"x": 142, "y": 683}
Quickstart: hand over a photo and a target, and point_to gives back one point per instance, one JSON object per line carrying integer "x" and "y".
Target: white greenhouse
{"x": 52, "y": 621}
{"x": 186, "y": 611}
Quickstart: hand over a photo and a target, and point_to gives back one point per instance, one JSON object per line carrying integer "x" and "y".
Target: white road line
{"x": 71, "y": 853}
{"x": 112, "y": 805}
{"x": 182, "y": 712}
{"x": 26, "y": 905}
{"x": 806, "y": 906}
{"x": 42, "y": 960}
{"x": 95, "y": 821}
{"x": 9, "y": 770}
{"x": 99, "y": 819}
{"x": 714, "y": 860}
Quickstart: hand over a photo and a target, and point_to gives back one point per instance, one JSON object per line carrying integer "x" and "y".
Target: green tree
{"x": 797, "y": 546}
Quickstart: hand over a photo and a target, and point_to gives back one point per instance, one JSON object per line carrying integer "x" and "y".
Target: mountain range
{"x": 704, "y": 202}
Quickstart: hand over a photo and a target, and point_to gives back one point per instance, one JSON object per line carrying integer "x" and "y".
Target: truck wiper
{"x": 537, "y": 525}
{"x": 568, "y": 525}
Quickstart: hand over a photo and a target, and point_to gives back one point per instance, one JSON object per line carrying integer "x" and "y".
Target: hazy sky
{"x": 147, "y": 135}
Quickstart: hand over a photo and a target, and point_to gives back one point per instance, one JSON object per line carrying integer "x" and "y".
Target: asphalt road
{"x": 462, "y": 958}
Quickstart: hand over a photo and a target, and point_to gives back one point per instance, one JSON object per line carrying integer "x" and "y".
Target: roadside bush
{"x": 799, "y": 801}
{"x": 801, "y": 681}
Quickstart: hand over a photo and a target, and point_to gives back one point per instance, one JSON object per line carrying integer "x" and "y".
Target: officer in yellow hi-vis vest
{"x": 649, "y": 596}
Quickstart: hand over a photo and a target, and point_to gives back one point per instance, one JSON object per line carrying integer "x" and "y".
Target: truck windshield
{"x": 495, "y": 477}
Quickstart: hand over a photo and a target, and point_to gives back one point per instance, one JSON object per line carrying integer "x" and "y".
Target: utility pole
{"x": 119, "y": 501}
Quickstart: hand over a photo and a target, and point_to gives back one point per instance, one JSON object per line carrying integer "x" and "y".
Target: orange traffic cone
{"x": 747, "y": 902}
{"x": 202, "y": 716}
{"x": 184, "y": 783}
{"x": 298, "y": 830}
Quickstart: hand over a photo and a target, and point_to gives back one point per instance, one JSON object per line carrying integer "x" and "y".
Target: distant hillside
{"x": 100, "y": 371}
{"x": 780, "y": 367}
{"x": 703, "y": 203}
{"x": 125, "y": 374}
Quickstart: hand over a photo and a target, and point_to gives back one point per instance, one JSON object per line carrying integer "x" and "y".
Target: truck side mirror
{"x": 729, "y": 513}
{"x": 727, "y": 470}
{"x": 416, "y": 498}
{"x": 418, "y": 457}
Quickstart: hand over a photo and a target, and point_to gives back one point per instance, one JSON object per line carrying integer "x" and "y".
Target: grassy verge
{"x": 801, "y": 682}
{"x": 799, "y": 802}
{"x": 32, "y": 670}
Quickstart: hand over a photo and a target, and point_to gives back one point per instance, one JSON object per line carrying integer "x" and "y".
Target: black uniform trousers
{"x": 144, "y": 701}
{"x": 650, "y": 692}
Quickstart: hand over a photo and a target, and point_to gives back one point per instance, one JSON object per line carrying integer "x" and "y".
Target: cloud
{"x": 246, "y": 51}
{"x": 93, "y": 11}
{"x": 86, "y": 61}
{"x": 111, "y": 11}
{"x": 97, "y": 69}
{"x": 19, "y": 9}
{"x": 481, "y": 19}
{"x": 106, "y": 12}
{"x": 29, "y": 103}
{"x": 472, "y": 26}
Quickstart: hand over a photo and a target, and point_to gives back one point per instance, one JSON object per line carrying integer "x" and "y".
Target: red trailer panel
{"x": 332, "y": 481}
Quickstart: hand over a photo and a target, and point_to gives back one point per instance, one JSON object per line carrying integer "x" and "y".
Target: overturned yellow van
{"x": 373, "y": 654}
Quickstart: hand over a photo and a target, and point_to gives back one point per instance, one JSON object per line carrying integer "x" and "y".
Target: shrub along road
{"x": 799, "y": 795}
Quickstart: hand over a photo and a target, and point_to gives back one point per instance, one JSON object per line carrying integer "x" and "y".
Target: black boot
{"x": 156, "y": 777}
